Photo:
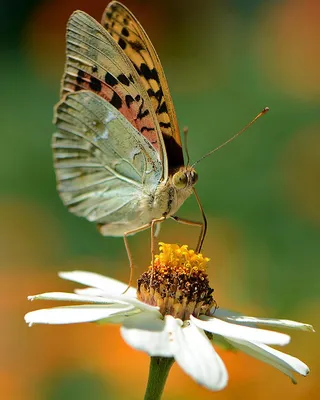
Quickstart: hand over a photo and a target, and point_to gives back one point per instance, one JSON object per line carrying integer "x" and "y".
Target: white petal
{"x": 282, "y": 361}
{"x": 108, "y": 285}
{"x": 74, "y": 314}
{"x": 118, "y": 299}
{"x": 146, "y": 332}
{"x": 95, "y": 299}
{"x": 196, "y": 356}
{"x": 89, "y": 291}
{"x": 136, "y": 303}
{"x": 253, "y": 321}
{"x": 223, "y": 313}
{"x": 60, "y": 296}
{"x": 219, "y": 327}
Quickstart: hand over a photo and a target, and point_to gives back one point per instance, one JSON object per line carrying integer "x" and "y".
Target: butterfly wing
{"x": 131, "y": 37}
{"x": 97, "y": 63}
{"x": 104, "y": 166}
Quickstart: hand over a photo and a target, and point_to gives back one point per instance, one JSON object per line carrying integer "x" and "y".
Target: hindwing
{"x": 103, "y": 164}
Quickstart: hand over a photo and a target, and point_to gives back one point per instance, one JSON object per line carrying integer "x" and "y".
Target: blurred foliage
{"x": 225, "y": 61}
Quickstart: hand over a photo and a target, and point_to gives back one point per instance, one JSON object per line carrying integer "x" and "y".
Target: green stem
{"x": 158, "y": 374}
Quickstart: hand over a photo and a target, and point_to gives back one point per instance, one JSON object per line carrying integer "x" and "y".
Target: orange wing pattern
{"x": 131, "y": 37}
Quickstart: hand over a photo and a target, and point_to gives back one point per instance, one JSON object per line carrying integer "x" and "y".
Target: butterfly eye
{"x": 194, "y": 177}
{"x": 180, "y": 180}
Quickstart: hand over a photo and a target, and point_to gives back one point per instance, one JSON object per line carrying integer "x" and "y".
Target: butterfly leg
{"x": 125, "y": 238}
{"x": 204, "y": 222}
{"x": 193, "y": 223}
{"x": 154, "y": 223}
{"x": 153, "y": 235}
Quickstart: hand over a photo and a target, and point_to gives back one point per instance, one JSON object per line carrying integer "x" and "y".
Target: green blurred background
{"x": 225, "y": 61}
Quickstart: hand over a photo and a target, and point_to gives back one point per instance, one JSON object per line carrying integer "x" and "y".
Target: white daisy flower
{"x": 173, "y": 314}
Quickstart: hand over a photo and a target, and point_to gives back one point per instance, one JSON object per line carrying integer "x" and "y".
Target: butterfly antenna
{"x": 185, "y": 132}
{"x": 264, "y": 111}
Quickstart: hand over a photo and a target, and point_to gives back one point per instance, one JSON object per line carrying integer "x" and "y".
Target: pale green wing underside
{"x": 104, "y": 166}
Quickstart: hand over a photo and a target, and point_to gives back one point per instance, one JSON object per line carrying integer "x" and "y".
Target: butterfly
{"x": 117, "y": 151}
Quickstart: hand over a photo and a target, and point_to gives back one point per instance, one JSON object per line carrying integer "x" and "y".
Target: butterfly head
{"x": 185, "y": 176}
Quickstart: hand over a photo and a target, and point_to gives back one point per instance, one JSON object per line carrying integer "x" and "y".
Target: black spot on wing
{"x": 94, "y": 68}
{"x": 158, "y": 94}
{"x": 137, "y": 68}
{"x": 80, "y": 76}
{"x": 129, "y": 99}
{"x": 116, "y": 101}
{"x": 164, "y": 124}
{"x": 149, "y": 73}
{"x": 142, "y": 114}
{"x": 137, "y": 98}
{"x": 145, "y": 128}
{"x": 162, "y": 108}
{"x": 125, "y": 32}
{"x": 95, "y": 84}
{"x": 125, "y": 21}
{"x": 122, "y": 44}
{"x": 131, "y": 78}
{"x": 123, "y": 79}
{"x": 110, "y": 80}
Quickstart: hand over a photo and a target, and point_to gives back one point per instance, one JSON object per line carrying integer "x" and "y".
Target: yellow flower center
{"x": 177, "y": 282}
{"x": 181, "y": 258}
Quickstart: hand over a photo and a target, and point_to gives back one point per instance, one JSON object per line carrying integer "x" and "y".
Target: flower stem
{"x": 158, "y": 374}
